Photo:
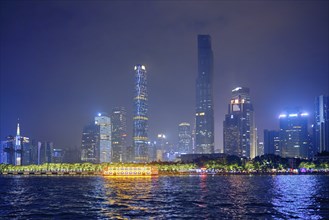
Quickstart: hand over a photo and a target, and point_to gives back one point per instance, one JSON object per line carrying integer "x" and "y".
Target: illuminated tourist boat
{"x": 131, "y": 171}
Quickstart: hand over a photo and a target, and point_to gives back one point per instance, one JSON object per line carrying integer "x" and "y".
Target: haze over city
{"x": 62, "y": 62}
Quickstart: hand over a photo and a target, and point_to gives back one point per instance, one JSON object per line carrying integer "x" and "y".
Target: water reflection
{"x": 295, "y": 196}
{"x": 165, "y": 197}
{"x": 125, "y": 195}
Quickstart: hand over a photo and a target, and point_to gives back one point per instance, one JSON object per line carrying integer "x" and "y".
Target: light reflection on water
{"x": 296, "y": 197}
{"x": 165, "y": 197}
{"x": 121, "y": 193}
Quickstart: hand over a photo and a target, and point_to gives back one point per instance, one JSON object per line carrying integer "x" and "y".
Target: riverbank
{"x": 91, "y": 173}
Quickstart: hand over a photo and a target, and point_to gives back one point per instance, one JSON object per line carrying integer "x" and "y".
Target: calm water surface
{"x": 164, "y": 197}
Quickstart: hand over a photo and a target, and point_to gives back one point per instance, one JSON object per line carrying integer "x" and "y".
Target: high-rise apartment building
{"x": 104, "y": 123}
{"x": 321, "y": 124}
{"x": 140, "y": 118}
{"x": 90, "y": 150}
{"x": 184, "y": 138}
{"x": 272, "y": 142}
{"x": 204, "y": 117}
{"x": 119, "y": 134}
{"x": 239, "y": 128}
{"x": 294, "y": 137}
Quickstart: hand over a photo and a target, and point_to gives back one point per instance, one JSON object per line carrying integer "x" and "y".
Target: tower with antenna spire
{"x": 18, "y": 132}
{"x": 18, "y": 147}
{"x": 16, "y": 150}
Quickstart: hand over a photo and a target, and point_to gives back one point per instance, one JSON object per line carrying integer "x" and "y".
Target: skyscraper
{"x": 140, "y": 118}
{"x": 184, "y": 138}
{"x": 260, "y": 148}
{"x": 204, "y": 129}
{"x": 104, "y": 123}
{"x": 44, "y": 150}
{"x": 161, "y": 147}
{"x": 119, "y": 134}
{"x": 321, "y": 125}
{"x": 272, "y": 142}
{"x": 90, "y": 143}
{"x": 239, "y": 128}
{"x": 294, "y": 138}
{"x": 15, "y": 150}
{"x": 8, "y": 147}
{"x": 18, "y": 147}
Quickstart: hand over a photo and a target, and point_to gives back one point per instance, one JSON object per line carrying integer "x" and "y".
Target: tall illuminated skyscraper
{"x": 15, "y": 149}
{"x": 204, "y": 129}
{"x": 239, "y": 128}
{"x": 321, "y": 125}
{"x": 18, "y": 147}
{"x": 89, "y": 144}
{"x": 294, "y": 137}
{"x": 140, "y": 119}
{"x": 104, "y": 123}
{"x": 119, "y": 134}
{"x": 184, "y": 138}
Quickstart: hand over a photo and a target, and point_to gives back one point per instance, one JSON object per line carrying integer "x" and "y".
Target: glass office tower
{"x": 204, "y": 116}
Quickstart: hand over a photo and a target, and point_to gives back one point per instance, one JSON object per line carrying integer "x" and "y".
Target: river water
{"x": 165, "y": 197}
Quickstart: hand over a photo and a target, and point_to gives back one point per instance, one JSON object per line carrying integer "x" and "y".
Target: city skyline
{"x": 43, "y": 78}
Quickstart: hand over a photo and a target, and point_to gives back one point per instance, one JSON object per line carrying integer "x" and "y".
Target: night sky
{"x": 62, "y": 62}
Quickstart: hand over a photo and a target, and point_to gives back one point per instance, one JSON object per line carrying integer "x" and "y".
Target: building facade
{"x": 294, "y": 137}
{"x": 162, "y": 147}
{"x": 184, "y": 138}
{"x": 8, "y": 149}
{"x": 238, "y": 128}
{"x": 90, "y": 148}
{"x": 260, "y": 148}
{"x": 104, "y": 122}
{"x": 140, "y": 115}
{"x": 321, "y": 124}
{"x": 204, "y": 116}
{"x": 119, "y": 135}
{"x": 15, "y": 149}
{"x": 272, "y": 142}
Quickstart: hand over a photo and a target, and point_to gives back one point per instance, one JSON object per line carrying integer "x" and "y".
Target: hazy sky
{"x": 62, "y": 62}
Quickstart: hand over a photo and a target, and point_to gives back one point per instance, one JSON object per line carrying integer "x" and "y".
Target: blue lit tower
{"x": 321, "y": 126}
{"x": 140, "y": 119}
{"x": 204, "y": 117}
{"x": 18, "y": 147}
{"x": 294, "y": 137}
